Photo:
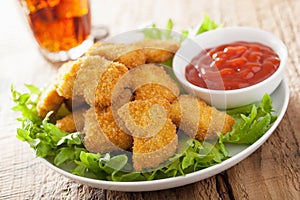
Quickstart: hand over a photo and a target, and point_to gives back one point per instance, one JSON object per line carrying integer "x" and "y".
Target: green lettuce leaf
{"x": 207, "y": 25}
{"x": 251, "y": 122}
{"x": 153, "y": 32}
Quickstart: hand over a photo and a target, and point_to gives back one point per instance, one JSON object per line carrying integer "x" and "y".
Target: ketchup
{"x": 232, "y": 66}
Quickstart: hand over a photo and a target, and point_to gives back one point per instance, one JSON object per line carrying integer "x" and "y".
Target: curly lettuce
{"x": 251, "y": 122}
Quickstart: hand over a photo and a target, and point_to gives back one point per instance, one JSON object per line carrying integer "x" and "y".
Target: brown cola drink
{"x": 59, "y": 25}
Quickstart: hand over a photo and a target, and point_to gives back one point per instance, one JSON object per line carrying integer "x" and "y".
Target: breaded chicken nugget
{"x": 106, "y": 83}
{"x": 102, "y": 133}
{"x": 154, "y": 90}
{"x": 158, "y": 51}
{"x": 152, "y": 81}
{"x": 109, "y": 126}
{"x": 66, "y": 124}
{"x": 75, "y": 76}
{"x": 144, "y": 118}
{"x": 88, "y": 76}
{"x": 147, "y": 81}
{"x": 72, "y": 122}
{"x": 155, "y": 138}
{"x": 151, "y": 151}
{"x": 129, "y": 55}
{"x": 49, "y": 101}
{"x": 95, "y": 140}
{"x": 66, "y": 77}
{"x": 199, "y": 120}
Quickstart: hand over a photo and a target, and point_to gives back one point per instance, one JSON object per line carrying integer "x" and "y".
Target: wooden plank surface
{"x": 272, "y": 172}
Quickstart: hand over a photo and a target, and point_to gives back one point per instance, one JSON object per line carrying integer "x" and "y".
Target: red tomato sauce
{"x": 232, "y": 66}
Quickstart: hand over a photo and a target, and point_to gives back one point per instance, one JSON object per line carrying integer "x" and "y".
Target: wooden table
{"x": 272, "y": 172}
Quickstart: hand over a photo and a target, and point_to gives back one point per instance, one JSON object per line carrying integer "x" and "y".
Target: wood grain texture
{"x": 272, "y": 172}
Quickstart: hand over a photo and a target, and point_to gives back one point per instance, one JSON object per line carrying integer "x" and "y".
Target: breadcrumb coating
{"x": 72, "y": 122}
{"x": 66, "y": 78}
{"x": 129, "y": 55}
{"x": 49, "y": 101}
{"x": 154, "y": 135}
{"x": 67, "y": 124}
{"x": 154, "y": 90}
{"x": 95, "y": 140}
{"x": 151, "y": 151}
{"x": 151, "y": 80}
{"x": 102, "y": 133}
{"x": 88, "y": 76}
{"x": 144, "y": 118}
{"x": 199, "y": 120}
{"x": 158, "y": 51}
{"x": 109, "y": 126}
{"x": 73, "y": 79}
{"x": 106, "y": 84}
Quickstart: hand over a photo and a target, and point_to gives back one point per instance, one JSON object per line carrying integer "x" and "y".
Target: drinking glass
{"x": 62, "y": 28}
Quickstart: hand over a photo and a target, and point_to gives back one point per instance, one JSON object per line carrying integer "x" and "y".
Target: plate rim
{"x": 167, "y": 183}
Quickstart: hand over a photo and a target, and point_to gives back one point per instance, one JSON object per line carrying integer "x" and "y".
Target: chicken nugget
{"x": 106, "y": 84}
{"x": 66, "y": 124}
{"x": 88, "y": 76}
{"x": 72, "y": 122}
{"x": 49, "y": 101}
{"x": 102, "y": 134}
{"x": 158, "y": 51}
{"x": 154, "y": 90}
{"x": 129, "y": 55}
{"x": 152, "y": 81}
{"x": 151, "y": 151}
{"x": 154, "y": 134}
{"x": 199, "y": 120}
{"x": 109, "y": 125}
{"x": 66, "y": 77}
{"x": 80, "y": 77}
{"x": 144, "y": 118}
{"x": 95, "y": 140}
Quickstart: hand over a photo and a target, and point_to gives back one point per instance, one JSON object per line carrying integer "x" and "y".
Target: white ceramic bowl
{"x": 225, "y": 99}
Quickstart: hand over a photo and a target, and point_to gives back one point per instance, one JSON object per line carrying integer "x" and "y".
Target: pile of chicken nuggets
{"x": 120, "y": 98}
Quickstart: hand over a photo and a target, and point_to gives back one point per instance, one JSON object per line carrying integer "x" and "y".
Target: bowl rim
{"x": 283, "y": 59}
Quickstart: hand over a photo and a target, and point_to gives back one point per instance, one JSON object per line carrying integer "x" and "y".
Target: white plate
{"x": 280, "y": 99}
